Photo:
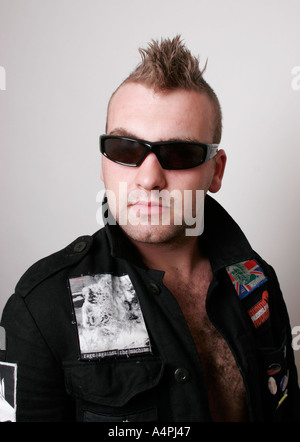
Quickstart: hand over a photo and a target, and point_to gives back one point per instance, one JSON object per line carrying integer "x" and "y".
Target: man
{"x": 144, "y": 321}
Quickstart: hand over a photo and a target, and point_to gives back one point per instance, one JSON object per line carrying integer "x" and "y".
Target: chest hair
{"x": 224, "y": 382}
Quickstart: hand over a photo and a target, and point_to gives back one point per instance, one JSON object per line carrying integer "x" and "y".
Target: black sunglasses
{"x": 172, "y": 155}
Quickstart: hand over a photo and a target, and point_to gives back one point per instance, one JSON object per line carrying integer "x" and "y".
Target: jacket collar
{"x": 224, "y": 241}
{"x": 222, "y": 238}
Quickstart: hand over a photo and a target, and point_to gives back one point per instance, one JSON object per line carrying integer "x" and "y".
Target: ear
{"x": 220, "y": 163}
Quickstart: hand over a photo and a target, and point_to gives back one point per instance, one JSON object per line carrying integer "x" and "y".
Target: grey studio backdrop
{"x": 61, "y": 60}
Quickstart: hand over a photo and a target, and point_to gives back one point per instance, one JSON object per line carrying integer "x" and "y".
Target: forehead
{"x": 156, "y": 116}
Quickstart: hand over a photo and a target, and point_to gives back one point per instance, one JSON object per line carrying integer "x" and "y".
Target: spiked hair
{"x": 169, "y": 65}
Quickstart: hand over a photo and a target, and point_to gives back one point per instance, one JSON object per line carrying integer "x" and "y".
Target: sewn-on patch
{"x": 260, "y": 312}
{"x": 8, "y": 388}
{"x": 108, "y": 316}
{"x": 246, "y": 276}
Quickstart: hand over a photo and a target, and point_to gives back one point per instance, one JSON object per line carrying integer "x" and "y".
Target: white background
{"x": 64, "y": 58}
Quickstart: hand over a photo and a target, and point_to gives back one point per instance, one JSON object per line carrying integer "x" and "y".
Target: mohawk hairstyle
{"x": 169, "y": 65}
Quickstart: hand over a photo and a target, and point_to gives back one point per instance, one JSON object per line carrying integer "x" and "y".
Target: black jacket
{"x": 133, "y": 358}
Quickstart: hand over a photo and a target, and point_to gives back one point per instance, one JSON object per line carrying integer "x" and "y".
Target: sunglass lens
{"x": 182, "y": 156}
{"x": 124, "y": 151}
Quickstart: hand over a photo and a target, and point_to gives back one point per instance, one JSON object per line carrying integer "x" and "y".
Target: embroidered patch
{"x": 108, "y": 316}
{"x": 8, "y": 388}
{"x": 260, "y": 312}
{"x": 246, "y": 276}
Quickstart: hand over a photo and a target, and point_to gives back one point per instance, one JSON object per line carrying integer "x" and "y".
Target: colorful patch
{"x": 8, "y": 388}
{"x": 246, "y": 276}
{"x": 108, "y": 316}
{"x": 260, "y": 312}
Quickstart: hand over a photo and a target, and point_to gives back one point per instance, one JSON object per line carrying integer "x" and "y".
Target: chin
{"x": 154, "y": 234}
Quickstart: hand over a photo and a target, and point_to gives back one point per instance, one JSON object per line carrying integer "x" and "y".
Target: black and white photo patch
{"x": 8, "y": 388}
{"x": 108, "y": 316}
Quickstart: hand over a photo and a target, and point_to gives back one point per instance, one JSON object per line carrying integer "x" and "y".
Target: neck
{"x": 181, "y": 256}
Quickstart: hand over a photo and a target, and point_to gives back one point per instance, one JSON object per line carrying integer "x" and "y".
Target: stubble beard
{"x": 151, "y": 234}
{"x": 163, "y": 223}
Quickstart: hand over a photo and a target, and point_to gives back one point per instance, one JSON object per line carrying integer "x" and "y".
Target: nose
{"x": 150, "y": 175}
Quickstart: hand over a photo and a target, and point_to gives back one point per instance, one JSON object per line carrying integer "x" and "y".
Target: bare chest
{"x": 224, "y": 383}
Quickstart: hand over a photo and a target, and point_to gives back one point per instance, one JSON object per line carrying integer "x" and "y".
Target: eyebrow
{"x": 121, "y": 132}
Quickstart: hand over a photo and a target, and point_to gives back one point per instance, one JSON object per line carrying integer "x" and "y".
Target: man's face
{"x": 138, "y": 112}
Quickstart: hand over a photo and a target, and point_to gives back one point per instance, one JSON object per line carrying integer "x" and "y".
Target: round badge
{"x": 273, "y": 369}
{"x": 284, "y": 381}
{"x": 272, "y": 385}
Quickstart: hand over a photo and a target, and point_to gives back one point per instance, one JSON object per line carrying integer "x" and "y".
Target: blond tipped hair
{"x": 169, "y": 65}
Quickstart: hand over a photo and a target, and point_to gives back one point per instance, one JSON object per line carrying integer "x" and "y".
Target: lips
{"x": 148, "y": 207}
{"x": 147, "y": 204}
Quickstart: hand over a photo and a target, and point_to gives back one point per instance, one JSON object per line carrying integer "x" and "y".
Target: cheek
{"x": 198, "y": 178}
{"x": 112, "y": 174}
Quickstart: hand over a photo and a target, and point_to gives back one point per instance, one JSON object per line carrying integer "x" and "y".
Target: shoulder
{"x": 64, "y": 258}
